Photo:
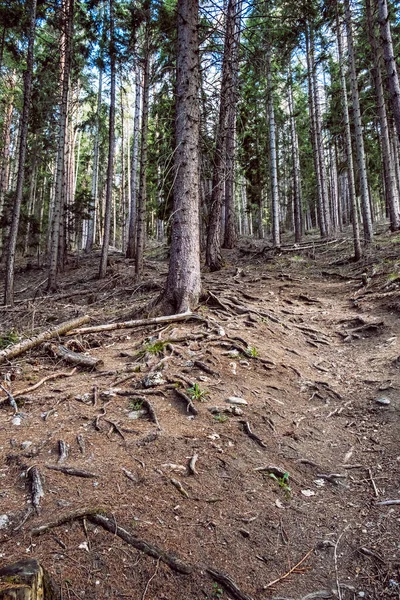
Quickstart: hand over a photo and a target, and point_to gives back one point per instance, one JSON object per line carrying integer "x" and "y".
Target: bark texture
{"x": 390, "y": 62}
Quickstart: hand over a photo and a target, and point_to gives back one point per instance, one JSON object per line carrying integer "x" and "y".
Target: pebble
{"x": 153, "y": 379}
{"x": 26, "y": 445}
{"x": 383, "y": 401}
{"x": 236, "y": 400}
{"x": 16, "y": 421}
{"x": 308, "y": 493}
{"x": 4, "y": 521}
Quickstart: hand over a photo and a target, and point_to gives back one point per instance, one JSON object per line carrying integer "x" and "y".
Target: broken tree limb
{"x": 73, "y": 358}
{"x": 30, "y": 389}
{"x": 80, "y": 513}
{"x": 17, "y": 349}
{"x": 190, "y": 407}
{"x": 186, "y": 316}
{"x": 173, "y": 562}
{"x": 72, "y": 471}
{"x": 227, "y": 582}
{"x": 37, "y": 492}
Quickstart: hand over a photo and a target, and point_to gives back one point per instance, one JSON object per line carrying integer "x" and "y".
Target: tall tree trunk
{"x": 273, "y": 161}
{"x": 348, "y": 148}
{"x": 297, "y": 196}
{"x": 5, "y": 146}
{"x": 230, "y": 233}
{"x": 362, "y": 168}
{"x": 130, "y": 250}
{"x": 183, "y": 282}
{"x": 57, "y": 225}
{"x": 111, "y": 151}
{"x": 213, "y": 250}
{"x": 142, "y": 192}
{"x": 390, "y": 61}
{"x": 13, "y": 234}
{"x": 392, "y": 197}
{"x": 91, "y": 223}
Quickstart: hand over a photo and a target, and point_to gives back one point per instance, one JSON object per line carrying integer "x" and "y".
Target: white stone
{"x": 236, "y": 400}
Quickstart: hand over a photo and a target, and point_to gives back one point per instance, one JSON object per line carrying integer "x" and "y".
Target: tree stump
{"x": 27, "y": 580}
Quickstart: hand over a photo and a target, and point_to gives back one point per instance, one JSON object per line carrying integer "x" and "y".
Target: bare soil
{"x": 309, "y": 339}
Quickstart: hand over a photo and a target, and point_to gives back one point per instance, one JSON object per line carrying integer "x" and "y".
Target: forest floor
{"x": 287, "y": 494}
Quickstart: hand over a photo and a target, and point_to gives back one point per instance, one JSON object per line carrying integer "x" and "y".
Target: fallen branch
{"x": 253, "y": 436}
{"x": 137, "y": 323}
{"x": 173, "y": 562}
{"x": 192, "y": 464}
{"x": 62, "y": 450}
{"x": 65, "y": 518}
{"x": 271, "y": 583}
{"x": 74, "y": 358}
{"x": 72, "y": 471}
{"x": 17, "y": 349}
{"x": 388, "y": 502}
{"x": 227, "y": 582}
{"x": 30, "y": 389}
{"x": 190, "y": 407}
{"x": 36, "y": 487}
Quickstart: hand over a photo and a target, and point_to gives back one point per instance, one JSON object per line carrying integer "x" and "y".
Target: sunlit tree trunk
{"x": 390, "y": 61}
{"x": 111, "y": 151}
{"x": 91, "y": 224}
{"x": 273, "y": 161}
{"x": 297, "y": 196}
{"x": 130, "y": 250}
{"x": 13, "y": 233}
{"x": 184, "y": 283}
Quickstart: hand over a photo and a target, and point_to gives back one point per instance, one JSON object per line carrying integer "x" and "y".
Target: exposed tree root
{"x": 227, "y": 582}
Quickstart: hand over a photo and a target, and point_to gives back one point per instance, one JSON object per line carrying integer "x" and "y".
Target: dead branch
{"x": 81, "y": 443}
{"x": 173, "y": 562}
{"x": 130, "y": 475}
{"x": 227, "y": 582}
{"x": 74, "y": 358}
{"x": 271, "y": 583}
{"x": 180, "y": 487}
{"x": 17, "y": 349}
{"x": 253, "y": 436}
{"x": 30, "y": 389}
{"x": 190, "y": 407}
{"x": 10, "y": 397}
{"x": 36, "y": 487}
{"x": 72, "y": 471}
{"x": 137, "y": 323}
{"x": 205, "y": 368}
{"x": 62, "y": 450}
{"x": 65, "y": 518}
{"x": 389, "y": 502}
{"x": 192, "y": 464}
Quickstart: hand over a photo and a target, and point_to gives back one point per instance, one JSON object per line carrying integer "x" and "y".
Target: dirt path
{"x": 287, "y": 341}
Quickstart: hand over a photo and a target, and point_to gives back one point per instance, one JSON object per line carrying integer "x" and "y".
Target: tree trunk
{"x": 390, "y": 62}
{"x": 13, "y": 234}
{"x": 27, "y": 580}
{"x": 362, "y": 168}
{"x": 273, "y": 161}
{"x": 213, "y": 250}
{"x": 392, "y": 197}
{"x": 57, "y": 225}
{"x": 91, "y": 224}
{"x": 230, "y": 234}
{"x": 183, "y": 282}
{"x": 297, "y": 196}
{"x": 142, "y": 192}
{"x": 111, "y": 151}
{"x": 348, "y": 148}
{"x": 130, "y": 250}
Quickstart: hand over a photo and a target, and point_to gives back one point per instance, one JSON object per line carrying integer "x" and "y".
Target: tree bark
{"x": 111, "y": 151}
{"x": 213, "y": 249}
{"x": 130, "y": 250}
{"x": 57, "y": 225}
{"x": 142, "y": 191}
{"x": 183, "y": 282}
{"x": 276, "y": 237}
{"x": 362, "y": 168}
{"x": 27, "y": 580}
{"x": 13, "y": 234}
{"x": 348, "y": 148}
{"x": 391, "y": 191}
{"x": 91, "y": 224}
{"x": 390, "y": 62}
{"x": 297, "y": 196}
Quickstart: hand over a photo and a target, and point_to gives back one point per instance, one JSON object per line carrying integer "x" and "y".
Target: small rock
{"x": 238, "y": 412}
{"x": 244, "y": 363}
{"x": 319, "y": 482}
{"x": 236, "y": 400}
{"x": 153, "y": 379}
{"x": 109, "y": 393}
{"x": 136, "y": 414}
{"x": 16, "y": 420}
{"x": 308, "y": 493}
{"x": 279, "y": 503}
{"x": 383, "y": 401}
{"x": 4, "y": 521}
{"x": 26, "y": 445}
{"x": 244, "y": 533}
{"x": 203, "y": 378}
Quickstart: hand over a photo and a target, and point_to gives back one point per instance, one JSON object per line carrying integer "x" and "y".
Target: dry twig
{"x": 271, "y": 583}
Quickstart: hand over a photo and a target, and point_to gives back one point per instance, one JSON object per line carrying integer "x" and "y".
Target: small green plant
{"x": 220, "y": 418}
{"x": 392, "y": 277}
{"x": 217, "y": 591}
{"x": 252, "y": 351}
{"x": 283, "y": 482}
{"x": 10, "y": 337}
{"x": 136, "y": 405}
{"x": 156, "y": 347}
{"x": 197, "y": 393}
